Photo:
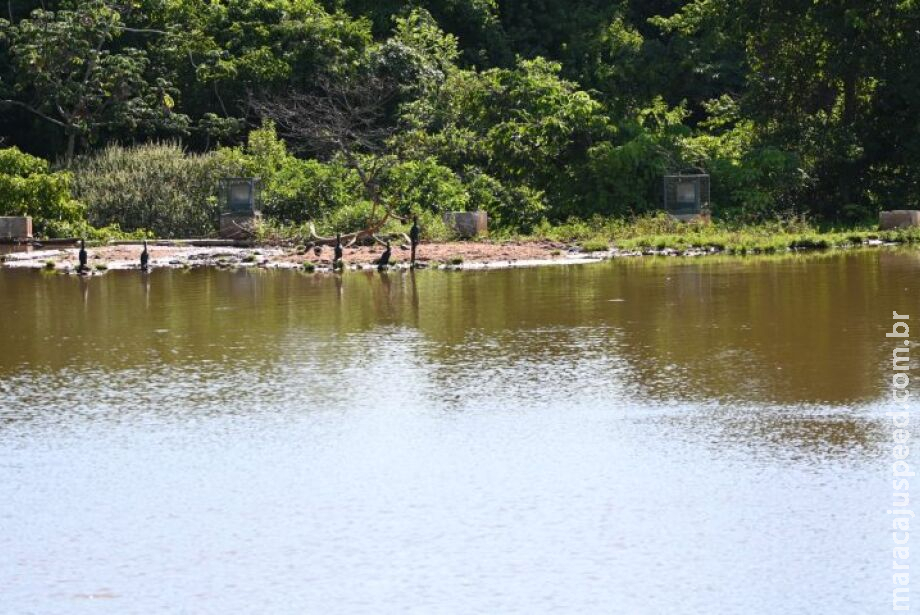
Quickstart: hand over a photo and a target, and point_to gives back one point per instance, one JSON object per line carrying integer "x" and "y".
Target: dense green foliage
{"x": 29, "y": 188}
{"x": 155, "y": 187}
{"x": 536, "y": 111}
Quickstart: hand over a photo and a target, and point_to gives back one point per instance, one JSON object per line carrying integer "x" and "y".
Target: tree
{"x": 220, "y": 52}
{"x": 344, "y": 118}
{"x": 524, "y": 126}
{"x": 68, "y": 73}
{"x": 418, "y": 57}
{"x": 475, "y": 23}
{"x": 823, "y": 80}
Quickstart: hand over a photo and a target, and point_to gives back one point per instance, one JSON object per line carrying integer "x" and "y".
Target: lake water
{"x": 640, "y": 436}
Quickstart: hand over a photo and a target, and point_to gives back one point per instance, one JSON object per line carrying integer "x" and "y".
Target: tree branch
{"x": 31, "y": 109}
{"x": 143, "y": 30}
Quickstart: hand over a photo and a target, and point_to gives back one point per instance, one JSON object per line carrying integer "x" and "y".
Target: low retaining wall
{"x": 15, "y": 227}
{"x": 898, "y": 218}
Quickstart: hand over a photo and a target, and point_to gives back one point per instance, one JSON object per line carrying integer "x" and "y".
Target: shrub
{"x": 515, "y": 207}
{"x": 29, "y": 188}
{"x": 751, "y": 180}
{"x": 425, "y": 185}
{"x": 431, "y": 224}
{"x": 157, "y": 186}
{"x": 293, "y": 190}
{"x": 348, "y": 218}
{"x": 433, "y": 227}
{"x": 809, "y": 243}
{"x": 595, "y": 245}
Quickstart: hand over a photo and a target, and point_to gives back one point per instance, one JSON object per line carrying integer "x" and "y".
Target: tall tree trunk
{"x": 71, "y": 147}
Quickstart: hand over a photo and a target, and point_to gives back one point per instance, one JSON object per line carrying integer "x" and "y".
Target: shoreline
{"x": 446, "y": 255}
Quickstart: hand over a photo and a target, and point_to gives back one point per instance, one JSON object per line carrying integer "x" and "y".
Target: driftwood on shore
{"x": 350, "y": 239}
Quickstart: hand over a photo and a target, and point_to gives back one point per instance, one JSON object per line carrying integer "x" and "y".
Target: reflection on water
{"x": 641, "y": 436}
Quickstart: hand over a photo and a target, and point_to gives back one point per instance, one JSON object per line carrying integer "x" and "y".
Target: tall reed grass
{"x": 158, "y": 187}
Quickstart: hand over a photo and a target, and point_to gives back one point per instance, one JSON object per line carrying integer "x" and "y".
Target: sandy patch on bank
{"x": 454, "y": 254}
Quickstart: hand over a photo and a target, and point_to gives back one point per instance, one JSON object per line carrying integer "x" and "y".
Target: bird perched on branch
{"x": 384, "y": 261}
{"x": 82, "y": 257}
{"x": 145, "y": 258}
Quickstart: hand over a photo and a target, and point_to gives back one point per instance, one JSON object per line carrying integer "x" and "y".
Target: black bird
{"x": 82, "y": 257}
{"x": 384, "y": 260}
{"x": 414, "y": 234}
{"x": 145, "y": 257}
{"x": 318, "y": 250}
{"x": 337, "y": 255}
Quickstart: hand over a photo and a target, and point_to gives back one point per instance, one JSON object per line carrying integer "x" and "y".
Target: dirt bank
{"x": 466, "y": 255}
{"x": 450, "y": 255}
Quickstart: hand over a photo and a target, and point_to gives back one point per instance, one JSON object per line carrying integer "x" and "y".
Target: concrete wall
{"x": 468, "y": 224}
{"x": 898, "y": 218}
{"x": 15, "y": 227}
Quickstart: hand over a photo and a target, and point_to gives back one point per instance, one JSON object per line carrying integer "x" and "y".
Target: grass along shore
{"x": 657, "y": 234}
{"x": 652, "y": 233}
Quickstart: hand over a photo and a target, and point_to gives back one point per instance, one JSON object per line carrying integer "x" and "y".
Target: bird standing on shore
{"x": 337, "y": 252}
{"x": 384, "y": 261}
{"x": 414, "y": 234}
{"x": 82, "y": 257}
{"x": 145, "y": 257}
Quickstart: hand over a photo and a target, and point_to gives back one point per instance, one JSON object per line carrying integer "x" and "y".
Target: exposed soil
{"x": 452, "y": 254}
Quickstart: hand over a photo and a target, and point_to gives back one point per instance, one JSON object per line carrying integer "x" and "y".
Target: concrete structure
{"x": 15, "y": 227}
{"x": 686, "y": 194}
{"x": 898, "y": 218}
{"x": 239, "y": 226}
{"x": 239, "y": 195}
{"x": 468, "y": 224}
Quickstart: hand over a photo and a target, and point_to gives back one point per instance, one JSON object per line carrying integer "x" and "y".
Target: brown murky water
{"x": 641, "y": 436}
